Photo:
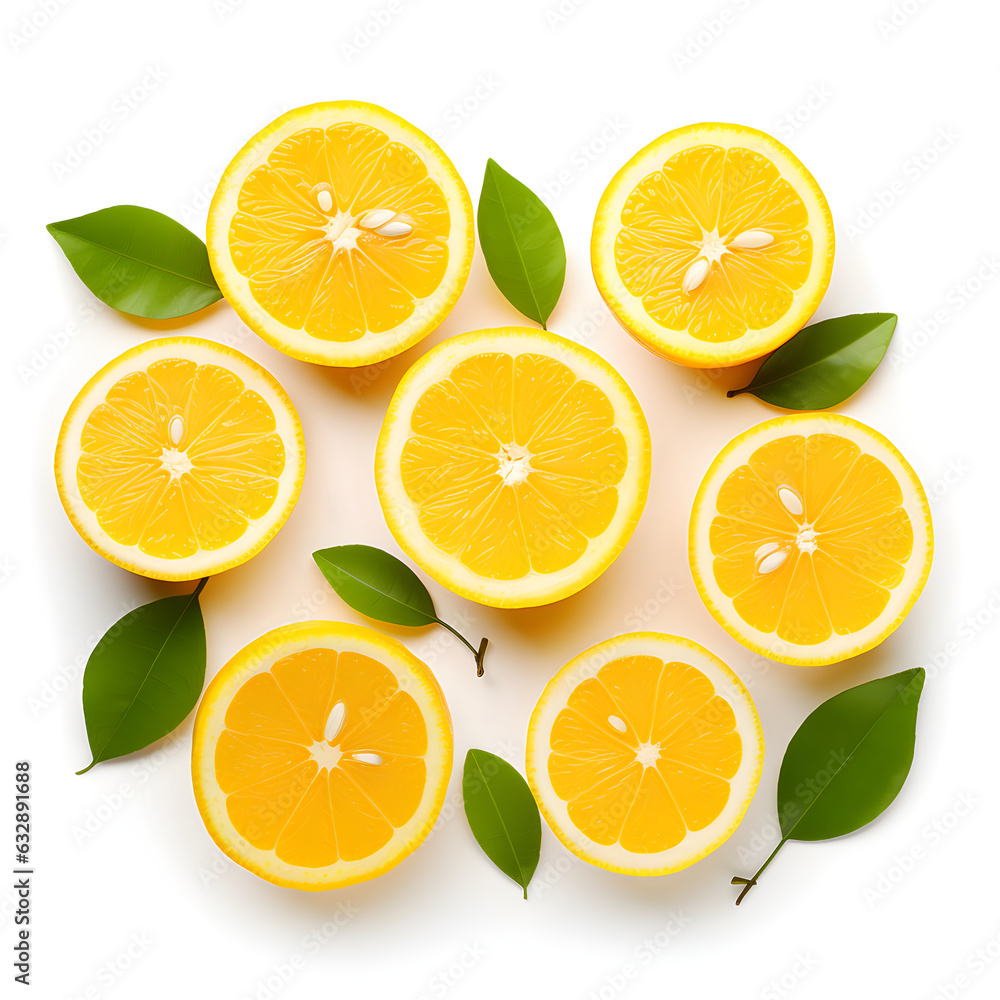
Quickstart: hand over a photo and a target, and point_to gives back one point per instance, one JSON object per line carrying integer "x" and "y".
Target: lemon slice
{"x": 713, "y": 245}
{"x": 341, "y": 234}
{"x": 512, "y": 465}
{"x": 644, "y": 753}
{"x": 179, "y": 459}
{"x": 321, "y": 755}
{"x": 810, "y": 538}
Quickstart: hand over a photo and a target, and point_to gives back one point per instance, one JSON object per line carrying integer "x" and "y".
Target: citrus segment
{"x": 810, "y": 538}
{"x": 643, "y": 753}
{"x": 321, "y": 755}
{"x": 179, "y": 459}
{"x": 713, "y": 245}
{"x": 341, "y": 234}
{"x": 512, "y": 465}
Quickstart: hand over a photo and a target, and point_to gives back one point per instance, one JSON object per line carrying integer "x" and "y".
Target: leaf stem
{"x": 200, "y": 587}
{"x": 477, "y": 653}
{"x": 479, "y": 667}
{"x": 749, "y": 883}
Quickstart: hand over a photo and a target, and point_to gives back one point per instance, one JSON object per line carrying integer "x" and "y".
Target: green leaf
{"x": 144, "y": 676}
{"x": 521, "y": 243}
{"x": 847, "y": 761}
{"x": 824, "y": 363}
{"x": 380, "y": 586}
{"x": 503, "y": 815}
{"x": 377, "y": 584}
{"x": 139, "y": 261}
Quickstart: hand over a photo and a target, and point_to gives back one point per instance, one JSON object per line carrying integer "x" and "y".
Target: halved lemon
{"x": 713, "y": 245}
{"x": 512, "y": 465}
{"x": 180, "y": 459}
{"x": 321, "y": 755}
{"x": 341, "y": 234}
{"x": 643, "y": 753}
{"x": 810, "y": 538}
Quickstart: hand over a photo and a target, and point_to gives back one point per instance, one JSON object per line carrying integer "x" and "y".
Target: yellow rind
{"x": 678, "y": 346}
{"x": 379, "y": 346}
{"x": 154, "y": 567}
{"x": 396, "y": 507}
{"x": 269, "y": 648}
{"x": 590, "y": 660}
{"x": 703, "y": 510}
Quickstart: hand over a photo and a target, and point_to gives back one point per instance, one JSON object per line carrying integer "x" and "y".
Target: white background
{"x": 122, "y": 858}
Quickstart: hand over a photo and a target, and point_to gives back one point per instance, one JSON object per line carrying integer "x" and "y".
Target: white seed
{"x": 695, "y": 274}
{"x": 765, "y": 550}
{"x": 367, "y": 758}
{"x": 325, "y": 200}
{"x": 770, "y": 563}
{"x": 335, "y": 721}
{"x": 375, "y": 218}
{"x": 617, "y": 723}
{"x": 790, "y": 500}
{"x": 395, "y": 229}
{"x": 752, "y": 239}
{"x": 176, "y": 428}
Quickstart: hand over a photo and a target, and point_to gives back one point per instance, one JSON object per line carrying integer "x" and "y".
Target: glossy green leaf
{"x": 144, "y": 676}
{"x": 824, "y": 363}
{"x": 847, "y": 761}
{"x": 377, "y": 584}
{"x": 503, "y": 815}
{"x": 382, "y": 587}
{"x": 521, "y": 243}
{"x": 139, "y": 261}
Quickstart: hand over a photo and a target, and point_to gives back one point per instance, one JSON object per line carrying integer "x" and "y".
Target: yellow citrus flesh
{"x": 512, "y": 465}
{"x": 644, "y": 753}
{"x": 713, "y": 245}
{"x": 810, "y": 538}
{"x": 341, "y": 234}
{"x": 179, "y": 459}
{"x": 321, "y": 755}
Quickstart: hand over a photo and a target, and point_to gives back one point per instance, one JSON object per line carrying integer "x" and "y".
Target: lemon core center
{"x": 647, "y": 754}
{"x": 514, "y": 467}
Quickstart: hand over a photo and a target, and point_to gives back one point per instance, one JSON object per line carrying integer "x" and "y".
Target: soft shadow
{"x": 736, "y": 377}
{"x": 827, "y": 680}
{"x": 371, "y": 385}
{"x": 381, "y": 896}
{"x": 548, "y": 618}
{"x": 178, "y": 322}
